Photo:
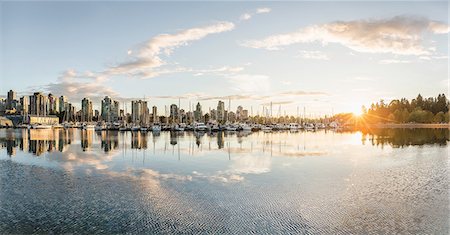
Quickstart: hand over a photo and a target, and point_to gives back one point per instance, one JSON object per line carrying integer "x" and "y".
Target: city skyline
{"x": 251, "y": 53}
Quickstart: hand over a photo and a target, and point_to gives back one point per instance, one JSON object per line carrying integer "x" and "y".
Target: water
{"x": 73, "y": 181}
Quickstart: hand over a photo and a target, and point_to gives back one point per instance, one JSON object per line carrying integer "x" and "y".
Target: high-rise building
{"x": 87, "y": 112}
{"x": 10, "y": 100}
{"x": 198, "y": 113}
{"x": 221, "y": 112}
{"x": 239, "y": 112}
{"x": 110, "y": 110}
{"x": 244, "y": 114}
{"x": 25, "y": 105}
{"x": 139, "y": 112}
{"x": 53, "y": 104}
{"x": 213, "y": 114}
{"x": 38, "y": 104}
{"x": 155, "y": 114}
{"x": 62, "y": 104}
{"x": 96, "y": 115}
{"x": 173, "y": 113}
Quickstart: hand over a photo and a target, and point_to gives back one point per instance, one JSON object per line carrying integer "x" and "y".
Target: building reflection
{"x": 86, "y": 139}
{"x": 139, "y": 140}
{"x": 38, "y": 142}
{"x": 109, "y": 140}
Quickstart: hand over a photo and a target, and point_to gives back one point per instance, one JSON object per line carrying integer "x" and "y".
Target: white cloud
{"x": 263, "y": 10}
{"x": 394, "y": 61}
{"x": 148, "y": 56}
{"x": 77, "y": 86}
{"x": 315, "y": 55}
{"x": 247, "y": 16}
{"x": 397, "y": 35}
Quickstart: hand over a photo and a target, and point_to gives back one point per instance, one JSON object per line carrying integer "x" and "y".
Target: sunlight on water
{"x": 384, "y": 181}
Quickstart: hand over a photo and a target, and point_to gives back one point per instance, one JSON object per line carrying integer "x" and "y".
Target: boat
{"x": 246, "y": 127}
{"x": 308, "y": 126}
{"x": 200, "y": 126}
{"x": 334, "y": 125}
{"x": 86, "y": 126}
{"x": 68, "y": 125}
{"x": 100, "y": 127}
{"x": 266, "y": 128}
{"x": 320, "y": 125}
{"x": 156, "y": 127}
{"x": 144, "y": 129}
{"x": 294, "y": 126}
{"x": 41, "y": 126}
{"x": 179, "y": 127}
{"x": 135, "y": 128}
{"x": 231, "y": 127}
{"x": 215, "y": 127}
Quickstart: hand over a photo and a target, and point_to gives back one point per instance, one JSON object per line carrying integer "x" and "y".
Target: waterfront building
{"x": 87, "y": 112}
{"x": 53, "y": 104}
{"x": 221, "y": 116}
{"x": 62, "y": 103}
{"x": 174, "y": 113}
{"x": 139, "y": 112}
{"x": 38, "y": 104}
{"x": 231, "y": 117}
{"x": 244, "y": 115}
{"x": 2, "y": 106}
{"x": 24, "y": 105}
{"x": 48, "y": 120}
{"x": 109, "y": 110}
{"x": 213, "y": 114}
{"x": 198, "y": 113}
{"x": 96, "y": 115}
{"x": 11, "y": 100}
{"x": 155, "y": 114}
{"x": 239, "y": 111}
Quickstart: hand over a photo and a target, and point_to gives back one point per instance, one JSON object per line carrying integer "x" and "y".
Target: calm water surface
{"x": 73, "y": 181}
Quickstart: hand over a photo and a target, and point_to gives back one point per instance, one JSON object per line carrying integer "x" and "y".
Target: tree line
{"x": 418, "y": 110}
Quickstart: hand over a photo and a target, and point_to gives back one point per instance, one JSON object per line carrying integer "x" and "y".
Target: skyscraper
{"x": 38, "y": 104}
{"x": 110, "y": 110}
{"x": 221, "y": 112}
{"x": 25, "y": 105}
{"x": 86, "y": 110}
{"x": 62, "y": 103}
{"x": 139, "y": 112}
{"x": 198, "y": 112}
{"x": 10, "y": 101}
{"x": 53, "y": 104}
{"x": 173, "y": 113}
{"x": 155, "y": 114}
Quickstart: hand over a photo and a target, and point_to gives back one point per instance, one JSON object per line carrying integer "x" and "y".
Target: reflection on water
{"x": 40, "y": 141}
{"x": 406, "y": 137}
{"x": 78, "y": 181}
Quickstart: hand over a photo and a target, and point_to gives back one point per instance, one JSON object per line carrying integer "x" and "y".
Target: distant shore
{"x": 412, "y": 125}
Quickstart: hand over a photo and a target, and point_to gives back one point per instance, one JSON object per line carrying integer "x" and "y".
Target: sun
{"x": 357, "y": 112}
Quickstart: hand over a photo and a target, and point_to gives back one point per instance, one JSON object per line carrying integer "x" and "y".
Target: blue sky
{"x": 292, "y": 54}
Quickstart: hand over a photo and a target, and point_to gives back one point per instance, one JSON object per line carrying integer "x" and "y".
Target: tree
{"x": 439, "y": 117}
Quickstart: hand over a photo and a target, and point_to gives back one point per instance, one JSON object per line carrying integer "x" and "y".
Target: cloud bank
{"x": 398, "y": 35}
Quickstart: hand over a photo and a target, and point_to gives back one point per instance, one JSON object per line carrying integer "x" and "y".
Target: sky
{"x": 317, "y": 57}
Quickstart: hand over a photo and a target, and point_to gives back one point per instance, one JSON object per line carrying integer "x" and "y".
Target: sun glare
{"x": 357, "y": 112}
